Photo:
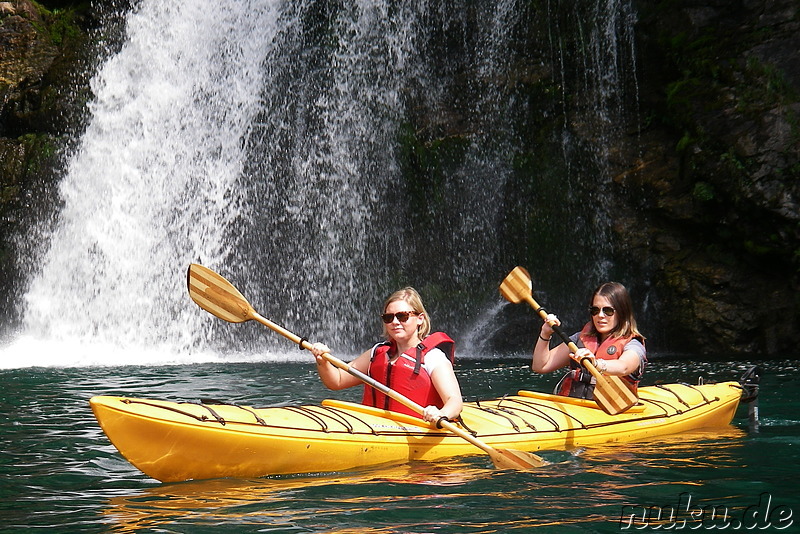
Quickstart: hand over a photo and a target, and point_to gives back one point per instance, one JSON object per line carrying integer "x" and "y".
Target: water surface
{"x": 60, "y": 472}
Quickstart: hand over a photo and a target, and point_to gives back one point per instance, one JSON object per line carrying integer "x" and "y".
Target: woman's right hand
{"x": 584, "y": 354}
{"x": 547, "y": 327}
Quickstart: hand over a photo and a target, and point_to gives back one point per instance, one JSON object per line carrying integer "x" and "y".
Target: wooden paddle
{"x": 610, "y": 392}
{"x": 219, "y": 297}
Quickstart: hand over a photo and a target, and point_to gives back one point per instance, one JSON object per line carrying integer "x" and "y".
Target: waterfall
{"x": 593, "y": 49}
{"x": 152, "y": 185}
{"x": 273, "y": 142}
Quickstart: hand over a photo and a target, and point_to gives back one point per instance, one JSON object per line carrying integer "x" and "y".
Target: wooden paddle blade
{"x": 512, "y": 459}
{"x": 216, "y": 295}
{"x": 612, "y": 395}
{"x": 503, "y": 459}
{"x": 516, "y": 287}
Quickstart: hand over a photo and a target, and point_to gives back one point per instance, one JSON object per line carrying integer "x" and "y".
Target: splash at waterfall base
{"x": 172, "y": 441}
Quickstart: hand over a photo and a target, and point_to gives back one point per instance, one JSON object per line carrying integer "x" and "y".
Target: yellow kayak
{"x": 173, "y": 441}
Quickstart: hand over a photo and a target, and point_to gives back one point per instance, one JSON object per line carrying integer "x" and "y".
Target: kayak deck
{"x": 173, "y": 441}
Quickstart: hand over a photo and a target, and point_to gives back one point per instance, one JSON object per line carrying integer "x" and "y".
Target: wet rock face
{"x": 39, "y": 57}
{"x": 28, "y": 55}
{"x": 717, "y": 181}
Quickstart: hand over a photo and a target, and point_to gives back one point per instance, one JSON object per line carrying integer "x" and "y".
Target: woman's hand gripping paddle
{"x": 219, "y": 297}
{"x": 610, "y": 392}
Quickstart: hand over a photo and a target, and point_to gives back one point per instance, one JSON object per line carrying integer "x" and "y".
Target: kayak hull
{"x": 172, "y": 441}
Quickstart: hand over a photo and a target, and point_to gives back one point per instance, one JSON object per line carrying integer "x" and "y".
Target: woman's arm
{"x": 545, "y": 359}
{"x": 627, "y": 363}
{"x": 446, "y": 384}
{"x": 333, "y": 377}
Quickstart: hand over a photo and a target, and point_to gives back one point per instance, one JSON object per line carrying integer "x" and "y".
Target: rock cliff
{"x": 714, "y": 193}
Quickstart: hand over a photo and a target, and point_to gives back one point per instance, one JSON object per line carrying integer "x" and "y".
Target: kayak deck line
{"x": 174, "y": 441}
{"x": 662, "y": 386}
{"x": 662, "y": 405}
{"x": 317, "y": 414}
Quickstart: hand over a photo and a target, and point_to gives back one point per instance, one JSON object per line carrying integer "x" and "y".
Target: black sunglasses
{"x": 401, "y": 316}
{"x": 608, "y": 311}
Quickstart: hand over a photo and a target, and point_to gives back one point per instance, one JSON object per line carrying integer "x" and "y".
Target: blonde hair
{"x": 410, "y": 295}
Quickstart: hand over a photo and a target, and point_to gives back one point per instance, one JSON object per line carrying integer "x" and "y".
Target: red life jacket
{"x": 577, "y": 383}
{"x": 406, "y": 375}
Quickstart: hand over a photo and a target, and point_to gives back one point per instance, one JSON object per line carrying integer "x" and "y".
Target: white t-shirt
{"x": 433, "y": 359}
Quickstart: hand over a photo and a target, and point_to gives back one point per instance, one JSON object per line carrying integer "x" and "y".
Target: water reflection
{"x": 578, "y": 487}
{"x": 715, "y": 447}
{"x": 284, "y": 502}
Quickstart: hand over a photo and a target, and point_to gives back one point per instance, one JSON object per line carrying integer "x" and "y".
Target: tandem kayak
{"x": 176, "y": 441}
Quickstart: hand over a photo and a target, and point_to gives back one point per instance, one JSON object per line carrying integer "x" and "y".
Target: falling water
{"x": 265, "y": 139}
{"x": 151, "y": 186}
{"x": 595, "y": 68}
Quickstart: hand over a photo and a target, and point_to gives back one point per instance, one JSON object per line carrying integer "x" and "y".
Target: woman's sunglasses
{"x": 608, "y": 311}
{"x": 401, "y": 316}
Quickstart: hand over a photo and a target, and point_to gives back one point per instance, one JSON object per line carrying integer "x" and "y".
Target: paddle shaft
{"x": 219, "y": 297}
{"x": 336, "y": 362}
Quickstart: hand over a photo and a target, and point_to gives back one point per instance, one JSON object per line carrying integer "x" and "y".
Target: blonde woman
{"x": 411, "y": 361}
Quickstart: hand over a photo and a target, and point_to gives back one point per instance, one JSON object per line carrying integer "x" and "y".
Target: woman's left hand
{"x": 584, "y": 354}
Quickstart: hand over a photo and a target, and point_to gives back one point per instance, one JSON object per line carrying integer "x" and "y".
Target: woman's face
{"x": 603, "y": 323}
{"x": 402, "y": 332}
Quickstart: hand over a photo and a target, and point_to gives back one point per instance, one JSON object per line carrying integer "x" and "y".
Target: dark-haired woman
{"x": 610, "y": 340}
{"x": 411, "y": 361}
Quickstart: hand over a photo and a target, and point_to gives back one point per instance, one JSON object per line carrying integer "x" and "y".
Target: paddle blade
{"x": 612, "y": 395}
{"x": 511, "y": 459}
{"x": 216, "y": 295}
{"x": 516, "y": 287}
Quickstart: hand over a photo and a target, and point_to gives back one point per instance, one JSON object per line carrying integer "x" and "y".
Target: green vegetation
{"x": 762, "y": 84}
{"x": 703, "y": 191}
{"x": 60, "y": 25}
{"x": 40, "y": 149}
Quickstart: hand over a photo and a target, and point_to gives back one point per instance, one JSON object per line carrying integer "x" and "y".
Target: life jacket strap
{"x": 418, "y": 362}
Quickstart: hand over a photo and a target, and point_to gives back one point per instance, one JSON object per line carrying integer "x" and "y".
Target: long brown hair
{"x": 620, "y": 300}
{"x": 410, "y": 295}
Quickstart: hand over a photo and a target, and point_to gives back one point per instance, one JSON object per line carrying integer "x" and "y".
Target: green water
{"x": 61, "y": 474}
